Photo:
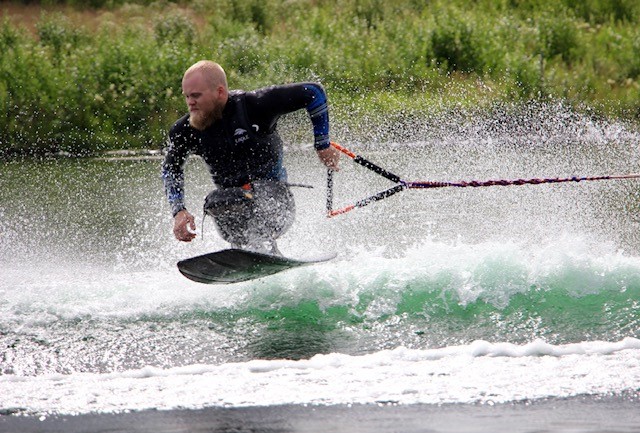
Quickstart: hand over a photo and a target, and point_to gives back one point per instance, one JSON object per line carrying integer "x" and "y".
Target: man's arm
{"x": 268, "y": 104}
{"x": 173, "y": 178}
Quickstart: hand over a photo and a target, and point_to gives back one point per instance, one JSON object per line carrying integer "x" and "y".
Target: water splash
{"x": 432, "y": 285}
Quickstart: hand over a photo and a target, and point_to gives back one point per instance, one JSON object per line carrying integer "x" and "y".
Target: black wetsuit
{"x": 243, "y": 149}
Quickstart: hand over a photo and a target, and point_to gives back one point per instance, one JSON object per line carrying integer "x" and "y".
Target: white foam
{"x": 478, "y": 372}
{"x": 490, "y": 271}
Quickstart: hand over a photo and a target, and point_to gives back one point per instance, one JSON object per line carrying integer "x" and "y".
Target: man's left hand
{"x": 330, "y": 157}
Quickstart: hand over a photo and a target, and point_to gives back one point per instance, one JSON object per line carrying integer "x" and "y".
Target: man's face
{"x": 205, "y": 103}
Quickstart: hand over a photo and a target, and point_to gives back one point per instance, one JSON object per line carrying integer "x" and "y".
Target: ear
{"x": 221, "y": 91}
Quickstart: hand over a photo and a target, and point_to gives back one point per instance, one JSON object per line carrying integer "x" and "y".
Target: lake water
{"x": 462, "y": 297}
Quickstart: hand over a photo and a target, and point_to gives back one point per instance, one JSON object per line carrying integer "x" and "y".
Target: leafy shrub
{"x": 558, "y": 36}
{"x": 118, "y": 85}
{"x": 9, "y": 36}
{"x": 455, "y": 45}
{"x": 174, "y": 28}
{"x": 244, "y": 52}
{"x": 57, "y": 32}
{"x": 602, "y": 11}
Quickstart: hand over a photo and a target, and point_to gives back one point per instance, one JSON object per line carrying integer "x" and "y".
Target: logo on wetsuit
{"x": 240, "y": 136}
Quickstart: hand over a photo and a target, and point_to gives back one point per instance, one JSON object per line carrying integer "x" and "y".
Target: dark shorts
{"x": 252, "y": 218}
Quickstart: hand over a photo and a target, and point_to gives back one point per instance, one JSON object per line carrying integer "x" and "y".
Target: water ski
{"x": 235, "y": 265}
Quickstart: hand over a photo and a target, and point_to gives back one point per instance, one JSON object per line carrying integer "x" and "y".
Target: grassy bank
{"x": 103, "y": 74}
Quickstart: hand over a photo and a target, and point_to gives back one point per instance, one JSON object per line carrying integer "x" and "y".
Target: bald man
{"x": 235, "y": 133}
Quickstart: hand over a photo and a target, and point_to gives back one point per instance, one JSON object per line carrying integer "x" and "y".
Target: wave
{"x": 480, "y": 372}
{"x": 564, "y": 291}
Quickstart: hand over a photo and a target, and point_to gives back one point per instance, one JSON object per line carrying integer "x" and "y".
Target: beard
{"x": 201, "y": 120}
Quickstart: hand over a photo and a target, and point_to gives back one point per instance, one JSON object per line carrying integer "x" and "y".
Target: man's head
{"x": 204, "y": 86}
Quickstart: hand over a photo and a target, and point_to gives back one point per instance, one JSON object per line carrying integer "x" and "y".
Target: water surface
{"x": 455, "y": 295}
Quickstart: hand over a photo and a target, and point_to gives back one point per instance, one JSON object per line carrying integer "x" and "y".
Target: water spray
{"x": 401, "y": 185}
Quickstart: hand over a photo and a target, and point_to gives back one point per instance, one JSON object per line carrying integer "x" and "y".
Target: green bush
{"x": 81, "y": 88}
{"x": 558, "y": 36}
{"x": 603, "y": 11}
{"x": 455, "y": 45}
{"x": 174, "y": 28}
{"x": 56, "y": 32}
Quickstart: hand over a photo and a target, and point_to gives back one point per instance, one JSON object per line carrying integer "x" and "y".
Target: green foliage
{"x": 174, "y": 28}
{"x": 603, "y": 11}
{"x": 257, "y": 14}
{"x": 57, "y": 33}
{"x": 457, "y": 45}
{"x": 558, "y": 36}
{"x": 80, "y": 88}
{"x": 83, "y": 4}
{"x": 9, "y": 35}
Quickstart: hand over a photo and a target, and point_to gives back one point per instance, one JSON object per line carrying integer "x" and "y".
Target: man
{"x": 235, "y": 134}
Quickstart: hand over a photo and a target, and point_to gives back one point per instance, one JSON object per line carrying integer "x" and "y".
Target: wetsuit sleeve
{"x": 318, "y": 110}
{"x": 173, "y": 170}
{"x": 265, "y": 106}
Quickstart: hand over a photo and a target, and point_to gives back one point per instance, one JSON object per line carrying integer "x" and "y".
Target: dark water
{"x": 578, "y": 414}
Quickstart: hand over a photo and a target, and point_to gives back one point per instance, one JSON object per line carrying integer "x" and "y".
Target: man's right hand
{"x": 184, "y": 226}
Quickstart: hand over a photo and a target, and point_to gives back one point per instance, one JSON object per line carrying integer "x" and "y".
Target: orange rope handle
{"x": 344, "y": 150}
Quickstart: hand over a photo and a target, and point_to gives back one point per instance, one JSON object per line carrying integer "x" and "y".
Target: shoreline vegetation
{"x": 84, "y": 77}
